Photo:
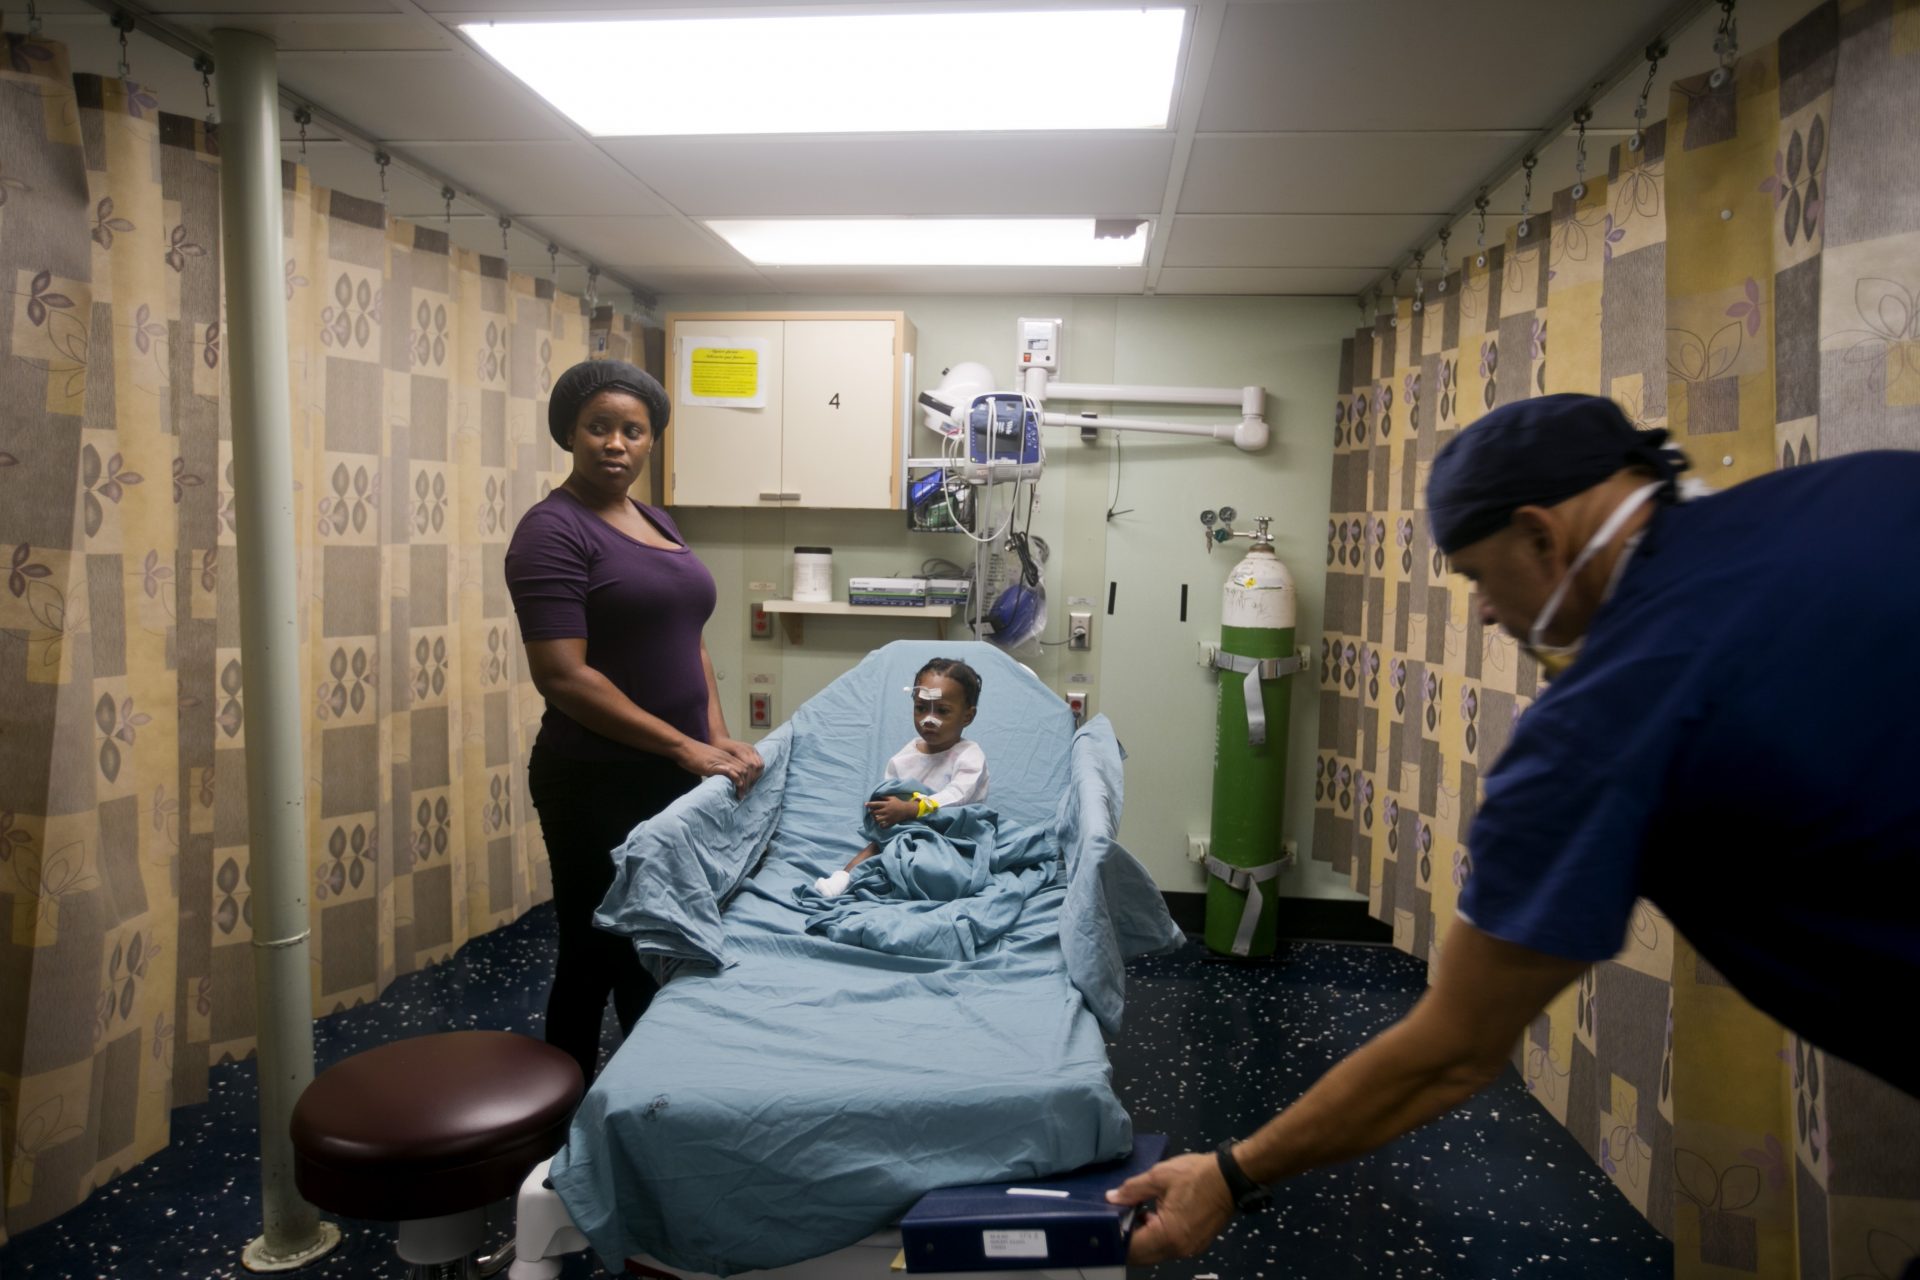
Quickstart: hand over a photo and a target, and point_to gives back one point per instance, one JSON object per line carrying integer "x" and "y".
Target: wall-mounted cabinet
{"x": 787, "y": 408}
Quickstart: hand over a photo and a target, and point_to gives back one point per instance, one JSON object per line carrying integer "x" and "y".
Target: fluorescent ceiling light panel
{"x": 928, "y": 242}
{"x": 850, "y": 73}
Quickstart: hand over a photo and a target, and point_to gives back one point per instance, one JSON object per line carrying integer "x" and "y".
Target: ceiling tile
{"x": 431, "y": 97}
{"x": 1292, "y": 240}
{"x": 940, "y": 174}
{"x": 641, "y": 241}
{"x": 540, "y": 178}
{"x": 1409, "y": 64}
{"x": 1339, "y": 173}
{"x": 1265, "y": 280}
{"x": 304, "y": 28}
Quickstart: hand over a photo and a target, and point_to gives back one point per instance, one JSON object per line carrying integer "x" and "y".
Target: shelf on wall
{"x": 793, "y": 613}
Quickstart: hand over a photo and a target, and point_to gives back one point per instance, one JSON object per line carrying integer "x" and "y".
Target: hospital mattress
{"x": 787, "y": 1095}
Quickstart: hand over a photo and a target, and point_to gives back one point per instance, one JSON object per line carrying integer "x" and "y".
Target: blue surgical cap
{"x": 1535, "y": 452}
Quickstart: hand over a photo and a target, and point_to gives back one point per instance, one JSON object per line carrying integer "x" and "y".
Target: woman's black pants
{"x": 587, "y": 808}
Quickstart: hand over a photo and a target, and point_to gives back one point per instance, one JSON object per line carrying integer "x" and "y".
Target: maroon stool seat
{"x": 431, "y": 1126}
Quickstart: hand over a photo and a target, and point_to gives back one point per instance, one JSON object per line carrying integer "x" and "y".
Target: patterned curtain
{"x": 1748, "y": 276}
{"x": 419, "y": 376}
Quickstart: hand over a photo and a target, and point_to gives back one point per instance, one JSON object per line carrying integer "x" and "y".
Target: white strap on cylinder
{"x": 1247, "y": 880}
{"x": 1256, "y": 670}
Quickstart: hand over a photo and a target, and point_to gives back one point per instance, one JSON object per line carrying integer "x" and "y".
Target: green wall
{"x": 1141, "y": 671}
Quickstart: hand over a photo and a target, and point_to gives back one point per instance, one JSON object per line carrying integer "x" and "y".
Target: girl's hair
{"x": 957, "y": 671}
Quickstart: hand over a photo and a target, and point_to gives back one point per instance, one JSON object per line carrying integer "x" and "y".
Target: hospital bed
{"x": 788, "y": 1096}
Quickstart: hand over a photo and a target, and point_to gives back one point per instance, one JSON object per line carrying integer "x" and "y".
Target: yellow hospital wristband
{"x": 927, "y": 803}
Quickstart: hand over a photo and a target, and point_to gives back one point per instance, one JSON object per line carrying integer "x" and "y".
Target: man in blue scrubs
{"x": 1732, "y": 731}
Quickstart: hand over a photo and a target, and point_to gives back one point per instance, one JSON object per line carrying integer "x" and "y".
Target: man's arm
{"x": 1454, "y": 1043}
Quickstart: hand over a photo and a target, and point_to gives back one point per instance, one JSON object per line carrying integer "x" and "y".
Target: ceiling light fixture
{"x": 850, "y": 73}
{"x": 930, "y": 242}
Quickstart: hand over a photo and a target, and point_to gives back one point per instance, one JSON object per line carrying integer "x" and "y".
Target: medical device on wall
{"x": 992, "y": 445}
{"x": 1254, "y": 657}
{"x": 1038, "y": 355}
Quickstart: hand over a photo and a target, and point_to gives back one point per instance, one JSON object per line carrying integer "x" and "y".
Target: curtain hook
{"x": 1446, "y": 234}
{"x": 1726, "y": 43}
{"x": 1419, "y": 281}
{"x": 593, "y": 289}
{"x": 1526, "y": 198}
{"x": 1655, "y": 51}
{"x": 506, "y": 224}
{"x": 1480, "y": 203}
{"x": 1580, "y": 118}
{"x": 382, "y": 159}
{"x": 123, "y": 23}
{"x": 553, "y": 264}
{"x": 204, "y": 65}
{"x": 446, "y": 196}
{"x": 1393, "y": 317}
{"x": 33, "y": 18}
{"x": 303, "y": 116}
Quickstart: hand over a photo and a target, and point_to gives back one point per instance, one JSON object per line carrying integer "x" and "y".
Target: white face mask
{"x": 1556, "y": 658}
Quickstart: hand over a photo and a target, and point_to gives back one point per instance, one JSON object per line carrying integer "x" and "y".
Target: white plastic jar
{"x": 813, "y": 573}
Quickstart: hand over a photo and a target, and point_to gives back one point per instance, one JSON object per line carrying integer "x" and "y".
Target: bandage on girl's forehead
{"x": 922, "y": 693}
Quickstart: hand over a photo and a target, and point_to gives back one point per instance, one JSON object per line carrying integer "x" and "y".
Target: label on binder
{"x": 1014, "y": 1244}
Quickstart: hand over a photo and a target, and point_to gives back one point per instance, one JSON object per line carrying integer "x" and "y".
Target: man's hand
{"x": 891, "y": 811}
{"x": 1191, "y": 1207}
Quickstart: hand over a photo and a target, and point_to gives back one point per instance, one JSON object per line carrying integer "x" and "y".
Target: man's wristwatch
{"x": 1248, "y": 1195}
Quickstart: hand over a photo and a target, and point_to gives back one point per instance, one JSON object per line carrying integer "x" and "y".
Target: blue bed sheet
{"x": 787, "y": 1094}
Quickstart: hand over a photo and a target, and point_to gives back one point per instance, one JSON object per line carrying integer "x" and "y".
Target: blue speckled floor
{"x": 1212, "y": 1047}
{"x": 1495, "y": 1189}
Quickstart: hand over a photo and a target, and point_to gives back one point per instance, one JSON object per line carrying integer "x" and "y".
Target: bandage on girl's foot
{"x": 834, "y": 885}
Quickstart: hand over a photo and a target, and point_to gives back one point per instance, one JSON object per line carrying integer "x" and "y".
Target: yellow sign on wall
{"x": 725, "y": 373}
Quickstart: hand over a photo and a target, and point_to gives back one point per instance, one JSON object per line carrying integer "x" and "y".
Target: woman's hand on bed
{"x": 746, "y": 755}
{"x": 705, "y": 761}
{"x": 1190, "y": 1206}
{"x": 891, "y": 811}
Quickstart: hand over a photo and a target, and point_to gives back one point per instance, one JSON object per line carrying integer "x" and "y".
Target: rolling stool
{"x": 428, "y": 1132}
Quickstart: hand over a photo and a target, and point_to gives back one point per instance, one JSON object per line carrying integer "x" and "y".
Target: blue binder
{"x": 1062, "y": 1221}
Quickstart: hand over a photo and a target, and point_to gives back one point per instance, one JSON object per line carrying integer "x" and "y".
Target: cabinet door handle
{"x": 779, "y": 497}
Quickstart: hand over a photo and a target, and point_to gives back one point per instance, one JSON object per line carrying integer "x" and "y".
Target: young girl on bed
{"x": 942, "y": 767}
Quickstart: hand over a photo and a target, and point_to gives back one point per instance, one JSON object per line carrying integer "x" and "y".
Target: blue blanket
{"x": 945, "y": 886}
{"x": 790, "y": 1092}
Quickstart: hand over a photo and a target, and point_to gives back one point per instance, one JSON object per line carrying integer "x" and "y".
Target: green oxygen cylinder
{"x": 1249, "y": 778}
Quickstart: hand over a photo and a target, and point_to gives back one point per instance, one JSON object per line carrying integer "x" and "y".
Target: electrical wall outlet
{"x": 1198, "y": 847}
{"x": 1207, "y": 649}
{"x": 1077, "y": 703}
{"x": 1080, "y": 630}
{"x": 760, "y": 710}
{"x": 1290, "y": 853}
{"x": 761, "y": 627}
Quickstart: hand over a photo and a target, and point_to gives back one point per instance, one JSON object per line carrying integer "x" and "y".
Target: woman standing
{"x": 611, "y": 604}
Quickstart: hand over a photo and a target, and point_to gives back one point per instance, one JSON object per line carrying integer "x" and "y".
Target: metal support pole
{"x": 269, "y": 630}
